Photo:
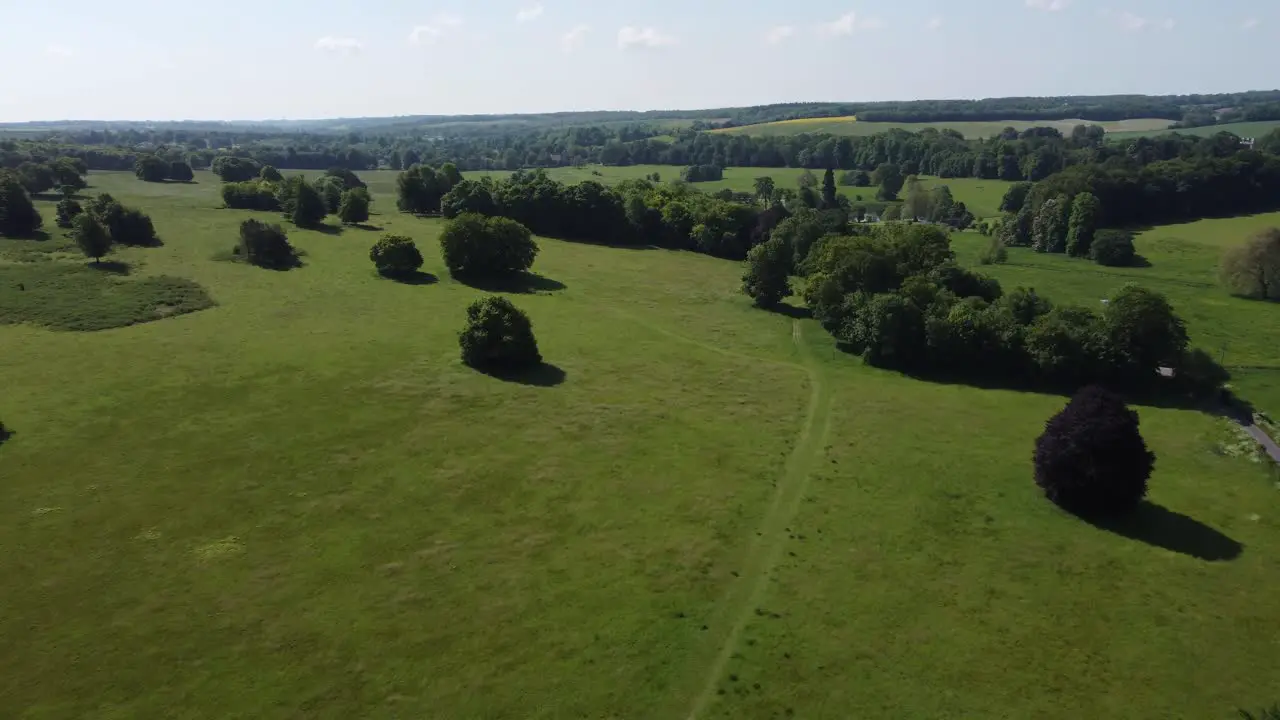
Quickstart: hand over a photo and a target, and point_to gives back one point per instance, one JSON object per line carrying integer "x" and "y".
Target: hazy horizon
{"x": 146, "y": 60}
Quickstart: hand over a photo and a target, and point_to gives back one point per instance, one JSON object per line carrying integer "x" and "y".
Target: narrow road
{"x": 745, "y": 594}
{"x": 1264, "y": 440}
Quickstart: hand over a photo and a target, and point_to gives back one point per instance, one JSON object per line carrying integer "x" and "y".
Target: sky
{"x": 273, "y": 59}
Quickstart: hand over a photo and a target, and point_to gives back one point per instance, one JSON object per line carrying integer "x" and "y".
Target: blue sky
{"x": 242, "y": 59}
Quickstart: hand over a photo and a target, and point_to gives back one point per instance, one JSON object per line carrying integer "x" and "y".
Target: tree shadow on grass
{"x": 417, "y": 277}
{"x": 544, "y": 375}
{"x": 5, "y": 433}
{"x": 366, "y": 226}
{"x": 114, "y": 267}
{"x": 792, "y": 311}
{"x": 521, "y": 283}
{"x": 325, "y": 228}
{"x": 1164, "y": 528}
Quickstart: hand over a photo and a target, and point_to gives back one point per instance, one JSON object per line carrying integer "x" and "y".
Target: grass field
{"x": 982, "y": 197}
{"x": 851, "y": 126}
{"x": 298, "y": 503}
{"x": 1244, "y": 129}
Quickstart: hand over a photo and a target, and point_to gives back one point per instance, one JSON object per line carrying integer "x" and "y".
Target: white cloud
{"x": 1136, "y": 23}
{"x": 530, "y": 13}
{"x": 1249, "y": 24}
{"x": 59, "y": 51}
{"x": 1048, "y": 5}
{"x": 934, "y": 23}
{"x": 629, "y": 37}
{"x": 344, "y": 45}
{"x": 435, "y": 28}
{"x": 575, "y": 38}
{"x": 847, "y": 23}
{"x": 778, "y": 34}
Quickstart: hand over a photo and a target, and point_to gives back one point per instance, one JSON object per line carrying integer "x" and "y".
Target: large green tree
{"x": 498, "y": 337}
{"x": 765, "y": 279}
{"x": 18, "y": 215}
{"x": 90, "y": 236}
{"x": 1252, "y": 270}
{"x": 354, "y": 206}
{"x": 829, "y": 189}
{"x": 889, "y": 177}
{"x": 477, "y": 246}
{"x": 1085, "y": 211}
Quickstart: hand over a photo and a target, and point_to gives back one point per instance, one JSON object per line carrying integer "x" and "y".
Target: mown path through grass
{"x": 744, "y": 595}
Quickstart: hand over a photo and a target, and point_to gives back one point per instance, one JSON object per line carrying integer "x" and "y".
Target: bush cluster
{"x": 265, "y": 246}
{"x": 498, "y": 337}
{"x": 478, "y": 246}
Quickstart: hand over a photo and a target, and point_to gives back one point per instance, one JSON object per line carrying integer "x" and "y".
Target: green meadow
{"x": 982, "y": 197}
{"x": 288, "y": 498}
{"x": 1244, "y": 129}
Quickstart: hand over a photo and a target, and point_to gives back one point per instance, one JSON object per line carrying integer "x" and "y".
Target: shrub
{"x": 90, "y": 236}
{"x": 478, "y": 246}
{"x": 702, "y": 173}
{"x": 127, "y": 226}
{"x": 150, "y": 168}
{"x": 498, "y": 337}
{"x": 1091, "y": 458}
{"x": 265, "y": 246}
{"x": 1113, "y": 248}
{"x": 330, "y": 188}
{"x": 234, "y": 169}
{"x": 250, "y": 195}
{"x": 270, "y": 174}
{"x": 180, "y": 171}
{"x": 1253, "y": 269}
{"x": 67, "y": 211}
{"x": 395, "y": 255}
{"x": 348, "y": 178}
{"x": 304, "y": 204}
{"x": 765, "y": 280}
{"x": 995, "y": 253}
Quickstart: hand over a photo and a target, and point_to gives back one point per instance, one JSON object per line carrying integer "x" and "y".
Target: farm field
{"x": 972, "y": 130}
{"x": 982, "y": 197}
{"x": 301, "y": 495}
{"x": 1243, "y": 129}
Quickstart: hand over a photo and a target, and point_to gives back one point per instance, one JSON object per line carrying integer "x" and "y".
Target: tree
{"x": 995, "y": 253}
{"x": 235, "y": 169}
{"x": 891, "y": 213}
{"x": 450, "y": 173}
{"x": 270, "y": 174}
{"x": 916, "y": 206}
{"x": 127, "y": 226}
{"x": 1049, "y": 231}
{"x": 1091, "y": 459}
{"x": 764, "y": 188}
{"x": 1085, "y": 210}
{"x": 354, "y": 207}
{"x": 420, "y": 189}
{"x": 265, "y": 245}
{"x": 1015, "y": 197}
{"x": 1252, "y": 270}
{"x": 91, "y": 237}
{"x": 1113, "y": 248}
{"x": 69, "y": 172}
{"x": 309, "y": 207}
{"x": 765, "y": 280}
{"x": 347, "y": 178}
{"x": 36, "y": 177}
{"x": 1142, "y": 331}
{"x": 829, "y": 189}
{"x": 331, "y": 189}
{"x": 67, "y": 211}
{"x": 473, "y": 245}
{"x": 498, "y": 337}
{"x": 889, "y": 177}
{"x": 395, "y": 256}
{"x": 180, "y": 171}
{"x": 807, "y": 179}
{"x": 468, "y": 196}
{"x": 18, "y": 215}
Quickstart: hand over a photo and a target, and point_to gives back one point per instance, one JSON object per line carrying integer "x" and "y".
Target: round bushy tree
{"x": 1091, "y": 458}
{"x": 1113, "y": 248}
{"x": 180, "y": 171}
{"x": 265, "y": 246}
{"x": 353, "y": 208}
{"x": 478, "y": 246}
{"x": 270, "y": 174}
{"x": 309, "y": 207}
{"x": 498, "y": 337}
{"x": 395, "y": 255}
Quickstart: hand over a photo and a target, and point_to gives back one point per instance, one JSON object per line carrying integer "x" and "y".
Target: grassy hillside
{"x": 851, "y": 126}
{"x": 1243, "y": 129}
{"x": 298, "y": 503}
{"x": 981, "y": 196}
